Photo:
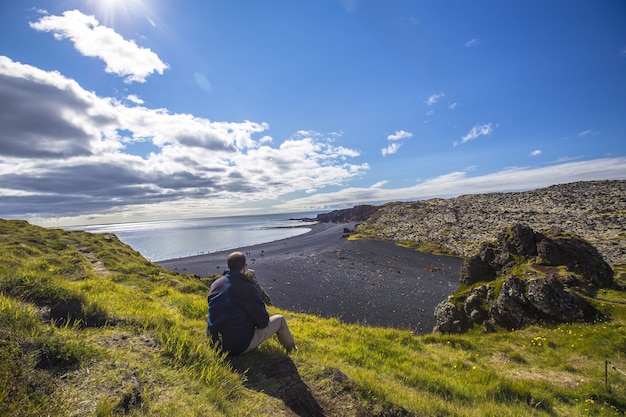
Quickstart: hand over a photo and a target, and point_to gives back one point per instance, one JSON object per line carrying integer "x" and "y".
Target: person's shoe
{"x": 291, "y": 350}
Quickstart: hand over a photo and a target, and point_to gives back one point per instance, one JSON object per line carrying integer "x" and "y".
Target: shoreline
{"x": 227, "y": 251}
{"x": 322, "y": 273}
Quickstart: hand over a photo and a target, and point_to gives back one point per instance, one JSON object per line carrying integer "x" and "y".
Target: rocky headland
{"x": 593, "y": 210}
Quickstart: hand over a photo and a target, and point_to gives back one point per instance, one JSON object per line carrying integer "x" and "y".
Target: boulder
{"x": 476, "y": 269}
{"x": 519, "y": 240}
{"x": 578, "y": 256}
{"x": 476, "y": 304}
{"x": 511, "y": 309}
{"x": 449, "y": 318}
{"x": 538, "y": 300}
{"x": 549, "y": 297}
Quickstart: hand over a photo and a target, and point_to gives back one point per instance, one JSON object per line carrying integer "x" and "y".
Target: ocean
{"x": 169, "y": 239}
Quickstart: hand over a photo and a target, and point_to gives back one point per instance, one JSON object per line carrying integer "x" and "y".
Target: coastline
{"x": 321, "y": 272}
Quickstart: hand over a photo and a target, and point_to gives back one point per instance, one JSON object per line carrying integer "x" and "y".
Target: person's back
{"x": 238, "y": 320}
{"x": 235, "y": 310}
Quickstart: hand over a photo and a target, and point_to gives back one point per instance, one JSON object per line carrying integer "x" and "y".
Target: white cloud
{"x": 536, "y": 152}
{"x": 472, "y": 42}
{"x": 122, "y": 57}
{"x": 391, "y": 149}
{"x": 72, "y": 161}
{"x": 458, "y": 182}
{"x": 395, "y": 145}
{"x": 40, "y": 11}
{"x": 434, "y": 98}
{"x": 400, "y": 134}
{"x": 475, "y": 132}
{"x": 453, "y": 106}
{"x": 134, "y": 99}
{"x": 588, "y": 132}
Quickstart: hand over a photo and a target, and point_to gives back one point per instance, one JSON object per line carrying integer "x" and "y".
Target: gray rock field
{"x": 593, "y": 210}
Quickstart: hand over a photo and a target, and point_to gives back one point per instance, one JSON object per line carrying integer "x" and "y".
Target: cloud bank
{"x": 458, "y": 183}
{"x": 70, "y": 154}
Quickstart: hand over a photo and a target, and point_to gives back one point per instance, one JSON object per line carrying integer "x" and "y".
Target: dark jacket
{"x": 235, "y": 309}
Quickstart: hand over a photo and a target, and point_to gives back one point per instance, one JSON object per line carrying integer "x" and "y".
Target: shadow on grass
{"x": 274, "y": 373}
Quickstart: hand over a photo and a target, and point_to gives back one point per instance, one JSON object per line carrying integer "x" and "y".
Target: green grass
{"x": 131, "y": 341}
{"x": 433, "y": 247}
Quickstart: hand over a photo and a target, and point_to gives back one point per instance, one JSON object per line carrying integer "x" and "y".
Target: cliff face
{"x": 355, "y": 214}
{"x": 593, "y": 210}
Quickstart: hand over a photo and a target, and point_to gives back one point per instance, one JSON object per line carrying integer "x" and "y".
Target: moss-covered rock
{"x": 543, "y": 279}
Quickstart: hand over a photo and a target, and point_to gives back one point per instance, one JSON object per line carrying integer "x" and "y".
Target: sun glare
{"x": 111, "y": 11}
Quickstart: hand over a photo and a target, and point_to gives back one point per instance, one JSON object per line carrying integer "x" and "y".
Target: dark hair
{"x": 236, "y": 261}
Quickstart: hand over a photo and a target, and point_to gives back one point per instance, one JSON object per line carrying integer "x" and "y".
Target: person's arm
{"x": 255, "y": 307}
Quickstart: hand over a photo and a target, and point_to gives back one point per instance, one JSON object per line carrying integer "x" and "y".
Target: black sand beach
{"x": 364, "y": 281}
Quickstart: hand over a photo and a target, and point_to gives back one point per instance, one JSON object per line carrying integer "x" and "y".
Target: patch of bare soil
{"x": 96, "y": 264}
{"x": 564, "y": 379}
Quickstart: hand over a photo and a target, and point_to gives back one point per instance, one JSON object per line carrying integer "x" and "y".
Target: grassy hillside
{"x": 89, "y": 327}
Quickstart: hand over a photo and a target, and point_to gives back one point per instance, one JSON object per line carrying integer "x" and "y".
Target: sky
{"x": 131, "y": 110}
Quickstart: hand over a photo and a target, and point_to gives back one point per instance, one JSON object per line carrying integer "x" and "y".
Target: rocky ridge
{"x": 593, "y": 210}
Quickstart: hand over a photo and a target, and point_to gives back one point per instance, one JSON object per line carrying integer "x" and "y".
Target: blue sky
{"x": 127, "y": 110}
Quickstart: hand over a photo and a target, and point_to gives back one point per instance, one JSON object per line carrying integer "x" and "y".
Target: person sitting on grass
{"x": 238, "y": 320}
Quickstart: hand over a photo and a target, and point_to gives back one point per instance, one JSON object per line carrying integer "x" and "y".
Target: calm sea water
{"x": 168, "y": 239}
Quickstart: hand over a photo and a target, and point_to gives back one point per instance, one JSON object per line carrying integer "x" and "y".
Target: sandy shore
{"x": 321, "y": 272}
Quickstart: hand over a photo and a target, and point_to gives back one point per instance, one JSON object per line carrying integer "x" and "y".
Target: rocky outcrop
{"x": 520, "y": 241}
{"x": 538, "y": 300}
{"x": 526, "y": 278}
{"x": 593, "y": 210}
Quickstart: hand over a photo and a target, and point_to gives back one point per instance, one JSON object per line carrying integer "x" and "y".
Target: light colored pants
{"x": 278, "y": 326}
